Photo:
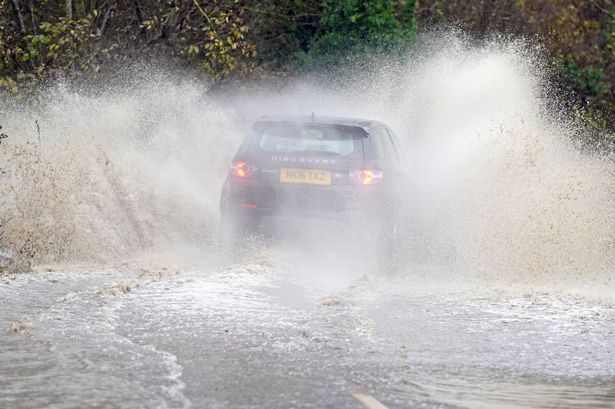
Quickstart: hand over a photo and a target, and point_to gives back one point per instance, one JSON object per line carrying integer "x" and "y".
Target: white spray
{"x": 499, "y": 186}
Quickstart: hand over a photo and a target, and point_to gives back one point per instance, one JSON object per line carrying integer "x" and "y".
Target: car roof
{"x": 325, "y": 120}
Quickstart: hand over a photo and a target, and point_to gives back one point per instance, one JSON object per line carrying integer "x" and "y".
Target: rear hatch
{"x": 304, "y": 167}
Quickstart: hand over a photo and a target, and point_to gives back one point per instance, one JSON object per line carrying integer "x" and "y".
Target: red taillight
{"x": 241, "y": 169}
{"x": 366, "y": 176}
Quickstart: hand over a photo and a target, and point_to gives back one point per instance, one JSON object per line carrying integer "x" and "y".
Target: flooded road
{"x": 260, "y": 335}
{"x": 504, "y": 190}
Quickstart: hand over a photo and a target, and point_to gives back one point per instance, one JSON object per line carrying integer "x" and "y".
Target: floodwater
{"x": 503, "y": 298}
{"x": 258, "y": 334}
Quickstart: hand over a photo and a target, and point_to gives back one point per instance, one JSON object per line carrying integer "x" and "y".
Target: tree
{"x": 57, "y": 37}
{"x": 579, "y": 35}
{"x": 354, "y": 31}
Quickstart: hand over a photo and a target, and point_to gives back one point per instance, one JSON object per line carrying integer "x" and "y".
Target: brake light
{"x": 366, "y": 176}
{"x": 241, "y": 169}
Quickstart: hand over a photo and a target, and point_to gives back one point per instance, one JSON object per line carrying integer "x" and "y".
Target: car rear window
{"x": 308, "y": 139}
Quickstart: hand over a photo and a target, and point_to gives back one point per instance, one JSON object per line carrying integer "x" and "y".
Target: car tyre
{"x": 236, "y": 230}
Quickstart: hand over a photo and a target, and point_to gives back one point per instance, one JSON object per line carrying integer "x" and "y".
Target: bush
{"x": 358, "y": 31}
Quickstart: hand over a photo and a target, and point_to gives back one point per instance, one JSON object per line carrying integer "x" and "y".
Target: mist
{"x": 502, "y": 195}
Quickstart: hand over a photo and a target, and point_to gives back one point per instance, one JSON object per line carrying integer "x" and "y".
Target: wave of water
{"x": 107, "y": 174}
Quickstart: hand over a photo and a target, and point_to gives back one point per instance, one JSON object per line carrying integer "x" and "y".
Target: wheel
{"x": 389, "y": 251}
{"x": 237, "y": 230}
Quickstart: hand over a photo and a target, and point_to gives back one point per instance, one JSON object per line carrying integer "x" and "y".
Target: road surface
{"x": 261, "y": 334}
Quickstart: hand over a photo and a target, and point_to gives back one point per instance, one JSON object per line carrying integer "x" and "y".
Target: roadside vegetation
{"x": 230, "y": 40}
{"x": 19, "y": 257}
{"x": 227, "y": 42}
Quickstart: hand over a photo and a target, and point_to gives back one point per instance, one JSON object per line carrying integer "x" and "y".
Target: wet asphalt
{"x": 258, "y": 335}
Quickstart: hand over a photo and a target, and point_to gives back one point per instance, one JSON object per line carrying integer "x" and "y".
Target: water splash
{"x": 115, "y": 173}
{"x": 500, "y": 187}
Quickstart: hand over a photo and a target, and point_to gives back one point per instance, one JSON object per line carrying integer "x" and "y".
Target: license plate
{"x": 308, "y": 176}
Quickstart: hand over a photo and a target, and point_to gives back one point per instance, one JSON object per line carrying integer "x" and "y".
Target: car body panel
{"x": 265, "y": 194}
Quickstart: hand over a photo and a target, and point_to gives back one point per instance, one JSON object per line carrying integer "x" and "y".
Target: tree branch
{"x": 18, "y": 16}
{"x": 602, "y": 9}
{"x": 106, "y": 18}
{"x": 139, "y": 16}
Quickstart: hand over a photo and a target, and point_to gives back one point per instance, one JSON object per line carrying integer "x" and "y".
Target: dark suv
{"x": 315, "y": 168}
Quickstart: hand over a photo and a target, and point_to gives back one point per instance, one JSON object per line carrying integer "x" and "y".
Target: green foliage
{"x": 57, "y": 46}
{"x": 230, "y": 39}
{"x": 352, "y": 31}
{"x": 588, "y": 80}
{"x": 38, "y": 42}
{"x": 578, "y": 34}
{"x": 222, "y": 47}
{"x": 48, "y": 50}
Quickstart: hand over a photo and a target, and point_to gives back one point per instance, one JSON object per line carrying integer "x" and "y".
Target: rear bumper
{"x": 331, "y": 203}
{"x": 296, "y": 221}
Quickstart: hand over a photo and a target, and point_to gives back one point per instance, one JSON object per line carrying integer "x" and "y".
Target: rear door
{"x": 306, "y": 153}
{"x": 304, "y": 166}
